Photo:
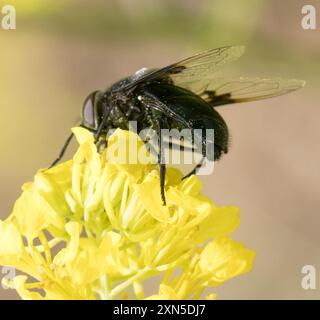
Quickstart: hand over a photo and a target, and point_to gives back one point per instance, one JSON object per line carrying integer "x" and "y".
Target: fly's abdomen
{"x": 197, "y": 114}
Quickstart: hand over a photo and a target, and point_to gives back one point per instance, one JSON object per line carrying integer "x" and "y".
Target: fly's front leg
{"x": 102, "y": 125}
{"x": 63, "y": 150}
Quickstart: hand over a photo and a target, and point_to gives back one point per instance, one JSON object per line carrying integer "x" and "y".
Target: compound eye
{"x": 88, "y": 112}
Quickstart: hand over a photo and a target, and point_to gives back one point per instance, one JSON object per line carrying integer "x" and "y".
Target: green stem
{"x": 105, "y": 287}
{"x": 44, "y": 241}
{"x": 197, "y": 294}
{"x": 119, "y": 288}
{"x": 138, "y": 290}
{"x": 86, "y": 220}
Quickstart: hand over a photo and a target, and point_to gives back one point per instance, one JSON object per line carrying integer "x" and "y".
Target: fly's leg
{"x": 162, "y": 176}
{"x": 162, "y": 164}
{"x": 194, "y": 171}
{"x": 63, "y": 150}
{"x": 162, "y": 159}
{"x": 156, "y": 125}
{"x": 203, "y": 152}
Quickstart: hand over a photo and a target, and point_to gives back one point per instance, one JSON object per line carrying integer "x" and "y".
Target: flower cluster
{"x": 92, "y": 228}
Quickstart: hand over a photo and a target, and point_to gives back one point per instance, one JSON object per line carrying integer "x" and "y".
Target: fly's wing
{"x": 220, "y": 91}
{"x": 191, "y": 70}
{"x": 197, "y": 74}
{"x": 173, "y": 143}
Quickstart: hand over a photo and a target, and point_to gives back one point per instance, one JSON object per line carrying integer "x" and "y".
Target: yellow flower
{"x": 223, "y": 259}
{"x": 94, "y": 227}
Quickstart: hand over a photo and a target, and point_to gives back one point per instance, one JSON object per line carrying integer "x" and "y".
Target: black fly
{"x": 181, "y": 95}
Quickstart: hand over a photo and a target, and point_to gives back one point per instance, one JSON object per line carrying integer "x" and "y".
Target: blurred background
{"x": 63, "y": 50}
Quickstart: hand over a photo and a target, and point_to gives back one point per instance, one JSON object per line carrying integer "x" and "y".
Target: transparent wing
{"x": 220, "y": 91}
{"x": 192, "y": 69}
{"x": 170, "y": 143}
{"x": 155, "y": 104}
{"x": 204, "y": 65}
{"x": 197, "y": 74}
